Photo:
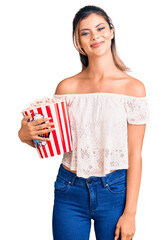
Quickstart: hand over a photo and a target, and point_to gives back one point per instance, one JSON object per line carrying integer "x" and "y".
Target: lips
{"x": 96, "y": 44}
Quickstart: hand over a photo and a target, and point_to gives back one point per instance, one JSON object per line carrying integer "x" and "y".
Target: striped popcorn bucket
{"x": 60, "y": 138}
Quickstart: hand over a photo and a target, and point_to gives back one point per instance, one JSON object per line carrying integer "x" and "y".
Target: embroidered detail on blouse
{"x": 99, "y": 130}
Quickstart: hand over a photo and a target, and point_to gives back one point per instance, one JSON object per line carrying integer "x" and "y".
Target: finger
{"x": 39, "y": 121}
{"x": 123, "y": 236}
{"x": 41, "y": 139}
{"x": 116, "y": 237}
{"x": 42, "y": 126}
{"x": 26, "y": 117}
{"x": 117, "y": 233}
{"x": 45, "y": 131}
{"x": 131, "y": 237}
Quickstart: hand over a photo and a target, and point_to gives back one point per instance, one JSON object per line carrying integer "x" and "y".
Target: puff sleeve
{"x": 137, "y": 109}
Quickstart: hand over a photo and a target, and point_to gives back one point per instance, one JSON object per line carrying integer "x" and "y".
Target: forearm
{"x": 133, "y": 184}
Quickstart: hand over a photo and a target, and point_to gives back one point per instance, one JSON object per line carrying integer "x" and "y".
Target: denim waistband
{"x": 72, "y": 178}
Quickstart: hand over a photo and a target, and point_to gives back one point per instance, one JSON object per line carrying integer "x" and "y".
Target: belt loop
{"x": 73, "y": 180}
{"x": 104, "y": 182}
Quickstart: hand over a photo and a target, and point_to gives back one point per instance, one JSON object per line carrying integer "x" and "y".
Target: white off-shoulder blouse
{"x": 99, "y": 130}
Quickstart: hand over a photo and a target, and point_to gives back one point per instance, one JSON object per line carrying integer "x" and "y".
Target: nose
{"x": 94, "y": 36}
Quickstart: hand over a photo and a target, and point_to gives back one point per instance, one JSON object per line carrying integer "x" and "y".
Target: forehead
{"x": 91, "y": 21}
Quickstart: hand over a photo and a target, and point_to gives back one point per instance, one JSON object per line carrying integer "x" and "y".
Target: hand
{"x": 125, "y": 227}
{"x": 31, "y": 130}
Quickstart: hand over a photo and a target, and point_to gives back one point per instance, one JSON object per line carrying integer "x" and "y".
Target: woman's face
{"x": 95, "y": 29}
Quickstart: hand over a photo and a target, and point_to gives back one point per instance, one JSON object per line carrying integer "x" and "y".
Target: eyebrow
{"x": 88, "y": 28}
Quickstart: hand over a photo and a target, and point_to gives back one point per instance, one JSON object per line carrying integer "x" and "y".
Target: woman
{"x": 100, "y": 178}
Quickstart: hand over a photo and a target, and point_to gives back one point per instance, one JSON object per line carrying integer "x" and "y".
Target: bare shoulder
{"x": 136, "y": 87}
{"x": 66, "y": 86}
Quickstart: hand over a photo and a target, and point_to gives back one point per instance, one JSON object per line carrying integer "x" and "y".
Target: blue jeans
{"x": 77, "y": 200}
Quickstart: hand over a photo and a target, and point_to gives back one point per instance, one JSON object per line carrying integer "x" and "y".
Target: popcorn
{"x": 44, "y": 101}
{"x": 61, "y": 138}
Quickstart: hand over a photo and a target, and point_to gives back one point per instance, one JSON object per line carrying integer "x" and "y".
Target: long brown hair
{"x": 84, "y": 13}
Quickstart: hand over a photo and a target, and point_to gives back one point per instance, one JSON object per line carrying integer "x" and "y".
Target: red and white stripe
{"x": 60, "y": 138}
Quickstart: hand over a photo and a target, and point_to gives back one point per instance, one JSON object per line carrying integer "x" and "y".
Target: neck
{"x": 101, "y": 67}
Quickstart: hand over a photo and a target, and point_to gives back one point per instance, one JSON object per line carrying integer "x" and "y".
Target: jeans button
{"x": 89, "y": 181}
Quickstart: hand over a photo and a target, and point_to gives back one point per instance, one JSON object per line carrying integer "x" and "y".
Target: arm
{"x": 127, "y": 220}
{"x": 135, "y": 134}
{"x": 135, "y": 141}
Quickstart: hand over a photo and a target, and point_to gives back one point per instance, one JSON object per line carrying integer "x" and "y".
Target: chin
{"x": 100, "y": 53}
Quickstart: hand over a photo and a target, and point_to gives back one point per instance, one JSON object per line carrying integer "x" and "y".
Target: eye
{"x": 83, "y": 34}
{"x": 98, "y": 30}
{"x": 101, "y": 28}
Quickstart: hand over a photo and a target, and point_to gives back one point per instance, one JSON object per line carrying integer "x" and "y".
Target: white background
{"x": 36, "y": 53}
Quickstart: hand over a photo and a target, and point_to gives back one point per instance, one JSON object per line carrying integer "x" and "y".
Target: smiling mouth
{"x": 96, "y": 45}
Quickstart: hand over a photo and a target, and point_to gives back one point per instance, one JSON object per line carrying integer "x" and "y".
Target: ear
{"x": 112, "y": 33}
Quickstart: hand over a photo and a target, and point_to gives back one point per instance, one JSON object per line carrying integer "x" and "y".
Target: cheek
{"x": 85, "y": 43}
{"x": 107, "y": 36}
{"x": 108, "y": 39}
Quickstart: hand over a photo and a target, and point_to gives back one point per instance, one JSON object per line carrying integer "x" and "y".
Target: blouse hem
{"x": 98, "y": 175}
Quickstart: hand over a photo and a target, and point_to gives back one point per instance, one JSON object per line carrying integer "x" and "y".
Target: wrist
{"x": 129, "y": 212}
